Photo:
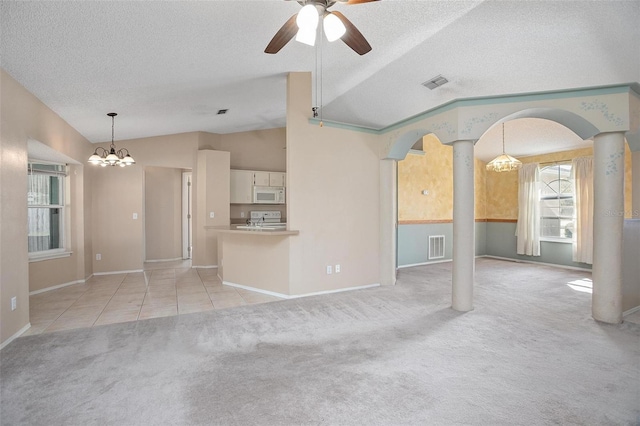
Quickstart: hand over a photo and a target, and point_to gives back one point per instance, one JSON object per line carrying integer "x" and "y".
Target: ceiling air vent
{"x": 435, "y": 82}
{"x": 222, "y": 111}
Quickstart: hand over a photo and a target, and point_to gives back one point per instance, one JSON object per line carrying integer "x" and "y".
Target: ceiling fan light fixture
{"x": 333, "y": 27}
{"x": 306, "y": 36}
{"x": 308, "y": 18}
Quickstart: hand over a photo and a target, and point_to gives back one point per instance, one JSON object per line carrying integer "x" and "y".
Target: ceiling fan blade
{"x": 353, "y": 38}
{"x": 283, "y": 36}
{"x": 357, "y": 1}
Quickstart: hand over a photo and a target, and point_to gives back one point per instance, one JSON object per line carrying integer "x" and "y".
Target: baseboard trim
{"x": 55, "y": 287}
{"x": 339, "y": 290}
{"x": 257, "y": 290}
{"x": 424, "y": 263}
{"x": 631, "y": 311}
{"x": 574, "y": 268}
{"x": 15, "y": 336}
{"x": 118, "y": 272}
{"x": 205, "y": 267}
{"x": 297, "y": 296}
{"x": 164, "y": 260}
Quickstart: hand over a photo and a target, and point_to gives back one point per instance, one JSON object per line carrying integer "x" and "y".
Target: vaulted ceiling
{"x": 168, "y": 67}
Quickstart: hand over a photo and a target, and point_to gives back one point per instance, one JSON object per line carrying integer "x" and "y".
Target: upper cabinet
{"x": 261, "y": 178}
{"x": 243, "y": 181}
{"x": 241, "y": 187}
{"x": 277, "y": 179}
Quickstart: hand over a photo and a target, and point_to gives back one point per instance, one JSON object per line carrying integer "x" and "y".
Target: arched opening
{"x": 552, "y": 146}
{"x": 424, "y": 214}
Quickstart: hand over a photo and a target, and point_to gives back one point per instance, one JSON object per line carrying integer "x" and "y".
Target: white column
{"x": 608, "y": 188}
{"x": 463, "y": 226}
{"x": 388, "y": 221}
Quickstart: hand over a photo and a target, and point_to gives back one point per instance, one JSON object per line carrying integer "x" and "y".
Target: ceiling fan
{"x": 303, "y": 25}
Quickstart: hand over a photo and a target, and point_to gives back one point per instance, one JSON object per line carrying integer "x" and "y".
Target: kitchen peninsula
{"x": 254, "y": 257}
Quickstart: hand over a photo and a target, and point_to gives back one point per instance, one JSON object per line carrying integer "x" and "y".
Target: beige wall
{"x": 179, "y": 151}
{"x": 23, "y": 116}
{"x": 333, "y": 188}
{"x": 269, "y": 265}
{"x": 213, "y": 196}
{"x": 116, "y": 235}
{"x": 163, "y": 213}
{"x": 255, "y": 150}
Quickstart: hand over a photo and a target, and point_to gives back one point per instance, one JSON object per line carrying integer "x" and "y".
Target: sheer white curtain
{"x": 39, "y": 223}
{"x": 528, "y": 228}
{"x": 582, "y": 174}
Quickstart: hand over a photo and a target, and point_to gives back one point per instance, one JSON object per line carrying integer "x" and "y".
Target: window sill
{"x": 49, "y": 256}
{"x": 557, "y": 240}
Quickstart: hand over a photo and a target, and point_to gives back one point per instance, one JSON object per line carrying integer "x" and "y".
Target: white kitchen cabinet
{"x": 277, "y": 179}
{"x": 241, "y": 187}
{"x": 261, "y": 178}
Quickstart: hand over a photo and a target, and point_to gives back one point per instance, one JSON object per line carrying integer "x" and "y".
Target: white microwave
{"x": 268, "y": 195}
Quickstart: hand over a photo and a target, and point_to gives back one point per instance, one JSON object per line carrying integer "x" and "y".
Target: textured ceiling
{"x": 167, "y": 67}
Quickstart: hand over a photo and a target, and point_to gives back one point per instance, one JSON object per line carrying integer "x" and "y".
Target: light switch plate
{"x": 329, "y": 270}
{"x": 135, "y": 216}
{"x": 212, "y": 215}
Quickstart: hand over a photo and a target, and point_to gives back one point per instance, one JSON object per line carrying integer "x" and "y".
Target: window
{"x": 45, "y": 201}
{"x": 556, "y": 202}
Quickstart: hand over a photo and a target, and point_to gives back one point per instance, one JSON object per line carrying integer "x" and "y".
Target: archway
{"x": 468, "y": 125}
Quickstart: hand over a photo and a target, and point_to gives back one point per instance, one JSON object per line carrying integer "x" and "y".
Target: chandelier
{"x": 504, "y": 162}
{"x": 112, "y": 157}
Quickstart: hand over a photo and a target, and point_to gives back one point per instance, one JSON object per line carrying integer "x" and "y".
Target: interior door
{"x": 186, "y": 216}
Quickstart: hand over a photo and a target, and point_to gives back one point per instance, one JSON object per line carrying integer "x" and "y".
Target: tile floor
{"x": 163, "y": 289}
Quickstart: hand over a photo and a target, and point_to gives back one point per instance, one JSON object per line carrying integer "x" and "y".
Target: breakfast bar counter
{"x": 252, "y": 230}
{"x": 254, "y": 257}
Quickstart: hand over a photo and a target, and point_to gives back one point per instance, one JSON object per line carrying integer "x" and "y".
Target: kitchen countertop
{"x": 257, "y": 230}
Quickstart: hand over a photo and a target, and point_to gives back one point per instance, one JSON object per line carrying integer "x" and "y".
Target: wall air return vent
{"x": 435, "y": 82}
{"x": 436, "y": 246}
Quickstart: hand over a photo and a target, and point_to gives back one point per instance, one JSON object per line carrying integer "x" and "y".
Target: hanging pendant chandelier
{"x": 112, "y": 157}
{"x": 504, "y": 162}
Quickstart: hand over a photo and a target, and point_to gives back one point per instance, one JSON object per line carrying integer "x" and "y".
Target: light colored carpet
{"x": 529, "y": 354}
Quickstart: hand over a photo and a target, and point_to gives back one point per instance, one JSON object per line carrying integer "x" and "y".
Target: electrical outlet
{"x": 337, "y": 269}
{"x": 329, "y": 270}
{"x": 135, "y": 216}
{"x": 241, "y": 214}
{"x": 212, "y": 215}
{"x": 98, "y": 256}
{"x": 14, "y": 303}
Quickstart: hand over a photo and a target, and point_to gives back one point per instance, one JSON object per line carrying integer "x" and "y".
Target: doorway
{"x": 187, "y": 246}
{"x": 168, "y": 214}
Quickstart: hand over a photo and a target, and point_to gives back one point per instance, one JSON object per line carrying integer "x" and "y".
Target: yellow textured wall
{"x": 433, "y": 172}
{"x": 480, "y": 185}
{"x": 496, "y": 194}
{"x": 628, "y": 180}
